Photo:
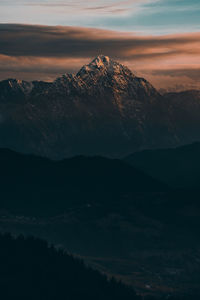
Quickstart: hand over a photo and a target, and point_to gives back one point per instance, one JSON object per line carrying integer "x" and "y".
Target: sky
{"x": 156, "y": 39}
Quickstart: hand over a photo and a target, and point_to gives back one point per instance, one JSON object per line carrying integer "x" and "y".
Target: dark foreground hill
{"x": 38, "y": 185}
{"x": 30, "y": 269}
{"x": 178, "y": 167}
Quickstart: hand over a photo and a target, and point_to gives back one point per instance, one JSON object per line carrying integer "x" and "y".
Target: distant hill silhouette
{"x": 178, "y": 167}
{"x": 38, "y": 184}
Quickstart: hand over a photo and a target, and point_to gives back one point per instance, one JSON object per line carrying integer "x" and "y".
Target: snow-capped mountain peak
{"x": 103, "y": 65}
{"x": 101, "y": 61}
{"x": 104, "y": 109}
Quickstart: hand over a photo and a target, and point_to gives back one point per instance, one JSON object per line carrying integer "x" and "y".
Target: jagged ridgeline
{"x": 104, "y": 109}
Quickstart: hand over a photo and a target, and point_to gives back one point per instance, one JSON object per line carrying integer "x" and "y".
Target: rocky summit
{"x": 104, "y": 109}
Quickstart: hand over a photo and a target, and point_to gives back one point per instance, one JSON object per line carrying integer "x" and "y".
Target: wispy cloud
{"x": 109, "y": 6}
{"x": 63, "y": 41}
{"x": 155, "y": 16}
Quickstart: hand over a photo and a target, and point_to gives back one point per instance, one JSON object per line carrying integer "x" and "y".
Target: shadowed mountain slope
{"x": 184, "y": 110}
{"x": 178, "y": 167}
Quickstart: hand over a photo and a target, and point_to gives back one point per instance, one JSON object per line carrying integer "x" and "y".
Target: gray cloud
{"x": 49, "y": 41}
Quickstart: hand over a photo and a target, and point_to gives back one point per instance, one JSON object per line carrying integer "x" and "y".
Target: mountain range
{"x": 31, "y": 269}
{"x": 102, "y": 110}
{"x": 136, "y": 217}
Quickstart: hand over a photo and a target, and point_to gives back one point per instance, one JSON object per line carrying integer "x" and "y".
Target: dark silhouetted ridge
{"x": 30, "y": 269}
{"x": 178, "y": 167}
{"x": 30, "y": 182}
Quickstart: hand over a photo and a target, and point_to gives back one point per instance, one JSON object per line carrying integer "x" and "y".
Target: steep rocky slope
{"x": 103, "y": 109}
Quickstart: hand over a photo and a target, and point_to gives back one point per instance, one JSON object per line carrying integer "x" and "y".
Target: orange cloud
{"x": 44, "y": 52}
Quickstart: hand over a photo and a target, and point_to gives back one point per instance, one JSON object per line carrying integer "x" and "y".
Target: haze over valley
{"x": 99, "y": 150}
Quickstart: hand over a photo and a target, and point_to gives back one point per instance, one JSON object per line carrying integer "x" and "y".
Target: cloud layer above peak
{"x": 44, "y": 52}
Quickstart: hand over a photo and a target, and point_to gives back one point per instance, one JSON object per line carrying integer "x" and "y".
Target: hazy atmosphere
{"x": 100, "y": 149}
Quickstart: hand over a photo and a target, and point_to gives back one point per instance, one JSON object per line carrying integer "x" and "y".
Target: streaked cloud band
{"x": 44, "y": 52}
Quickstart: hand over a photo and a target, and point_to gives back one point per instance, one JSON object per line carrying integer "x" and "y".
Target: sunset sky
{"x": 156, "y": 39}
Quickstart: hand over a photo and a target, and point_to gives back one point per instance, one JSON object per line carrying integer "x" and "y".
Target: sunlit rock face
{"x": 104, "y": 109}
